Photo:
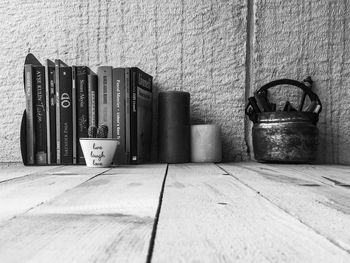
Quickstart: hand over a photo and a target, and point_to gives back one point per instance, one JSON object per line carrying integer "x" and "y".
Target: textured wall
{"x": 190, "y": 45}
{"x": 308, "y": 37}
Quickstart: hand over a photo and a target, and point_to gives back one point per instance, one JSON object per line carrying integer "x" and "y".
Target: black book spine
{"x": 52, "y": 105}
{"x": 127, "y": 114}
{"x": 144, "y": 117}
{"x": 93, "y": 93}
{"x": 40, "y": 116}
{"x": 66, "y": 115}
{"x": 74, "y": 113}
{"x": 58, "y": 111}
{"x": 48, "y": 119}
{"x": 133, "y": 116}
{"x": 29, "y": 79}
{"x": 82, "y": 109}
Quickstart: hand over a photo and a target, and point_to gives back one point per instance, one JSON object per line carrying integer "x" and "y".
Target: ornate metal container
{"x": 284, "y": 136}
{"x": 288, "y": 137}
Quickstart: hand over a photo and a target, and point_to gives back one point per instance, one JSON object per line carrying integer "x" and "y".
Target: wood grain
{"x": 212, "y": 217}
{"x": 337, "y": 175}
{"x": 106, "y": 219}
{"x": 15, "y": 170}
{"x": 23, "y": 193}
{"x": 303, "y": 192}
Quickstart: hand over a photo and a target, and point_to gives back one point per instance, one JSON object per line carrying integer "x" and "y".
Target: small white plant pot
{"x": 98, "y": 152}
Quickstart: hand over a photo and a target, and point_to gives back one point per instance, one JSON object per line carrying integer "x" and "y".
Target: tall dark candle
{"x": 174, "y": 127}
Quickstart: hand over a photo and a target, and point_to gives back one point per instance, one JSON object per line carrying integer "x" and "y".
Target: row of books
{"x": 63, "y": 101}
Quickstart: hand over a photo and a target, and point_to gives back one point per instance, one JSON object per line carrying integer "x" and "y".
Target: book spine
{"x": 144, "y": 117}
{"x": 93, "y": 114}
{"x": 28, "y": 73}
{"x": 52, "y": 107}
{"x": 74, "y": 113}
{"x": 58, "y": 112}
{"x": 66, "y": 114}
{"x": 133, "y": 117}
{"x": 40, "y": 116}
{"x": 119, "y": 114}
{"x": 127, "y": 114}
{"x": 82, "y": 109}
{"x": 105, "y": 116}
{"x": 48, "y": 110}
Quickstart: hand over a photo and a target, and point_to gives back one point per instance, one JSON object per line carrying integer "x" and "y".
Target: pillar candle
{"x": 206, "y": 143}
{"x": 174, "y": 127}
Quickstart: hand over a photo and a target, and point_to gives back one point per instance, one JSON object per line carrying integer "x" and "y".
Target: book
{"x": 29, "y": 77}
{"x": 82, "y": 109}
{"x": 93, "y": 94}
{"x": 133, "y": 116}
{"x": 127, "y": 114}
{"x": 140, "y": 116}
{"x": 50, "y": 111}
{"x": 74, "y": 114}
{"x": 104, "y": 74}
{"x": 144, "y": 117}
{"x": 30, "y": 133}
{"x": 118, "y": 131}
{"x": 40, "y": 124}
{"x": 64, "y": 113}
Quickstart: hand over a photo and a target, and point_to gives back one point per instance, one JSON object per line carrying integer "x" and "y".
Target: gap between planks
{"x": 103, "y": 219}
{"x": 192, "y": 226}
{"x": 155, "y": 224}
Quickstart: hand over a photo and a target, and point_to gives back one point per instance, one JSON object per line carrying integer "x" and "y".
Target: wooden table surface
{"x": 235, "y": 212}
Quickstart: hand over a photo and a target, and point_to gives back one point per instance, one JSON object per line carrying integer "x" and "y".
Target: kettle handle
{"x": 307, "y": 90}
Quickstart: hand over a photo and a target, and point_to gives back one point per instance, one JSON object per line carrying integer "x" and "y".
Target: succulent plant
{"x": 102, "y": 131}
{"x": 92, "y": 131}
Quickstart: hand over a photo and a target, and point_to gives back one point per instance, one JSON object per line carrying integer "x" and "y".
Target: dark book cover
{"x": 105, "y": 116}
{"x": 144, "y": 116}
{"x": 82, "y": 108}
{"x": 50, "y": 111}
{"x": 133, "y": 116}
{"x": 141, "y": 117}
{"x": 64, "y": 113}
{"x": 118, "y": 131}
{"x": 30, "y": 133}
{"x": 40, "y": 124}
{"x": 74, "y": 114}
{"x": 93, "y": 95}
{"x": 58, "y": 111}
{"x": 127, "y": 115}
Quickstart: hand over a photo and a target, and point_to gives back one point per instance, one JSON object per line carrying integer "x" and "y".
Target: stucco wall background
{"x": 219, "y": 51}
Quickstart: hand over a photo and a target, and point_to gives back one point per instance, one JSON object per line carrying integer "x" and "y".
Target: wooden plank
{"x": 23, "y": 193}
{"x": 311, "y": 199}
{"x": 137, "y": 169}
{"x": 215, "y": 218}
{"x": 337, "y": 175}
{"x": 106, "y": 219}
{"x": 10, "y": 171}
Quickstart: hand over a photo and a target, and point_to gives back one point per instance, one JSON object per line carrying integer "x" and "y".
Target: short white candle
{"x": 206, "y": 143}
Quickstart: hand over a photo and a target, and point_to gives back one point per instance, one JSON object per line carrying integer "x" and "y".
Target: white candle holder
{"x": 206, "y": 143}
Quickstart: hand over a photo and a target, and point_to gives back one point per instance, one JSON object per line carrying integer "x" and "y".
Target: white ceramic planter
{"x": 98, "y": 152}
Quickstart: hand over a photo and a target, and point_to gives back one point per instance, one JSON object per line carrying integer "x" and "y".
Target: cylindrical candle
{"x": 206, "y": 143}
{"x": 174, "y": 127}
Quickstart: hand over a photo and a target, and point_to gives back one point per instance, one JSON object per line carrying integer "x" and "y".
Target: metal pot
{"x": 285, "y": 136}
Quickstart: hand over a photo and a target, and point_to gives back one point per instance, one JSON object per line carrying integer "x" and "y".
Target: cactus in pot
{"x": 98, "y": 149}
{"x": 100, "y": 132}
